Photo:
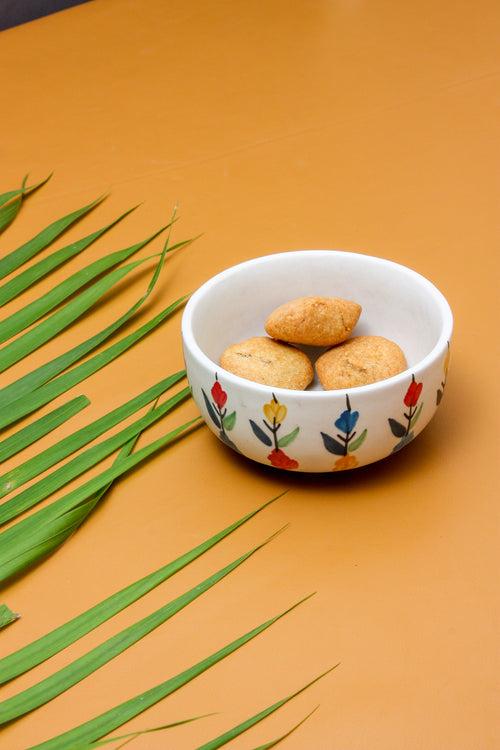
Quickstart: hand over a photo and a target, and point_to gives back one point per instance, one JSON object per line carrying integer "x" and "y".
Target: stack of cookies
{"x": 319, "y": 322}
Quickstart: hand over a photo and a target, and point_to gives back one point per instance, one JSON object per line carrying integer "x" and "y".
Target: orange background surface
{"x": 277, "y": 125}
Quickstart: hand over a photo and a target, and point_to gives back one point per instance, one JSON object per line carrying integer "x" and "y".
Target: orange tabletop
{"x": 273, "y": 126}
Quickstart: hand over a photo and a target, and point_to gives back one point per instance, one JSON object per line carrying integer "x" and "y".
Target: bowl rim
{"x": 191, "y": 344}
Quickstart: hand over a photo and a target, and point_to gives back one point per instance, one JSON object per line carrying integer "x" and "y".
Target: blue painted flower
{"x": 347, "y": 421}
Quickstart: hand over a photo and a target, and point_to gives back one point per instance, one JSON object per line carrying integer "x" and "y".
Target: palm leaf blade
{"x": 47, "y": 689}
{"x": 37, "y": 271}
{"x": 27, "y": 533}
{"x": 35, "y": 310}
{"x": 231, "y": 734}
{"x": 52, "y": 643}
{"x": 42, "y": 426}
{"x": 115, "y": 717}
{"x": 61, "y": 319}
{"x": 66, "y": 473}
{"x": 57, "y": 452}
{"x": 44, "y": 238}
{"x": 49, "y": 370}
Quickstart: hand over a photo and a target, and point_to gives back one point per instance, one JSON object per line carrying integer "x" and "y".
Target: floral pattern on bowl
{"x": 345, "y": 442}
{"x": 405, "y": 432}
{"x": 217, "y": 411}
{"x": 275, "y": 414}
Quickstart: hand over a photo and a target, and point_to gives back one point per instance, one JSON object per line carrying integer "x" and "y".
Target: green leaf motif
{"x": 416, "y": 416}
{"x": 7, "y": 616}
{"x": 229, "y": 421}
{"x": 287, "y": 439}
{"x": 355, "y": 444}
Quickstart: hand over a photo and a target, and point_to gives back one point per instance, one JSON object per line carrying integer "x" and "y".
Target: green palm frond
{"x": 96, "y": 728}
{"x": 43, "y": 648}
{"x": 47, "y": 689}
{"x": 43, "y": 239}
{"x": 37, "y": 271}
{"x": 11, "y": 201}
{"x": 24, "y": 437}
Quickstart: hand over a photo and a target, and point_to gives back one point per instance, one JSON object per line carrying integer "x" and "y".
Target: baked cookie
{"x": 318, "y": 321}
{"x": 269, "y": 362}
{"x": 362, "y": 360}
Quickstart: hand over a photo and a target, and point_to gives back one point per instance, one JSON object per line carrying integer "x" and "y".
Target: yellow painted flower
{"x": 345, "y": 462}
{"x": 275, "y": 410}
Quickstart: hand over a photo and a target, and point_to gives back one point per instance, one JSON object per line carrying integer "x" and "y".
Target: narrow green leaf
{"x": 287, "y": 439}
{"x": 61, "y": 319}
{"x": 54, "y": 535}
{"x": 27, "y": 533}
{"x": 55, "y": 641}
{"x": 416, "y": 416}
{"x": 231, "y": 734}
{"x": 37, "y": 271}
{"x": 22, "y": 406}
{"x": 7, "y": 616}
{"x": 358, "y": 442}
{"x": 35, "y": 310}
{"x": 57, "y": 452}
{"x": 21, "y": 439}
{"x": 133, "y": 735}
{"x": 46, "y": 690}
{"x": 44, "y": 238}
{"x": 46, "y": 372}
{"x": 23, "y": 190}
{"x": 49, "y": 484}
{"x": 115, "y": 717}
{"x": 11, "y": 201}
{"x": 229, "y": 421}
{"x": 273, "y": 743}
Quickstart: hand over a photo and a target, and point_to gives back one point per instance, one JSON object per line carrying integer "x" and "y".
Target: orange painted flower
{"x": 346, "y": 462}
{"x": 275, "y": 411}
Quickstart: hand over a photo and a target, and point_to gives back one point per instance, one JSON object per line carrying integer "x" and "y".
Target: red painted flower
{"x": 413, "y": 393}
{"x": 219, "y": 396}
{"x": 279, "y": 459}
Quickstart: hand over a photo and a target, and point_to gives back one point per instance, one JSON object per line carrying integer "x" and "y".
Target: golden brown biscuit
{"x": 318, "y": 321}
{"x": 269, "y": 362}
{"x": 362, "y": 360}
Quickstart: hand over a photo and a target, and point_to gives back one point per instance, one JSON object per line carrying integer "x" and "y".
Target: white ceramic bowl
{"x": 318, "y": 430}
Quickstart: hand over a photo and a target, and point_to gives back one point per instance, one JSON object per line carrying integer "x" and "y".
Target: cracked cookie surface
{"x": 360, "y": 361}
{"x": 317, "y": 321}
{"x": 269, "y": 362}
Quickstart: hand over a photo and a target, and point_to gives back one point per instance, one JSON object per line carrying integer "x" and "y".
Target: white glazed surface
{"x": 397, "y": 303}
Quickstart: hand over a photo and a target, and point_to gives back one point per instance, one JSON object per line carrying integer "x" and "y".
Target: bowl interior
{"x": 397, "y": 302}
